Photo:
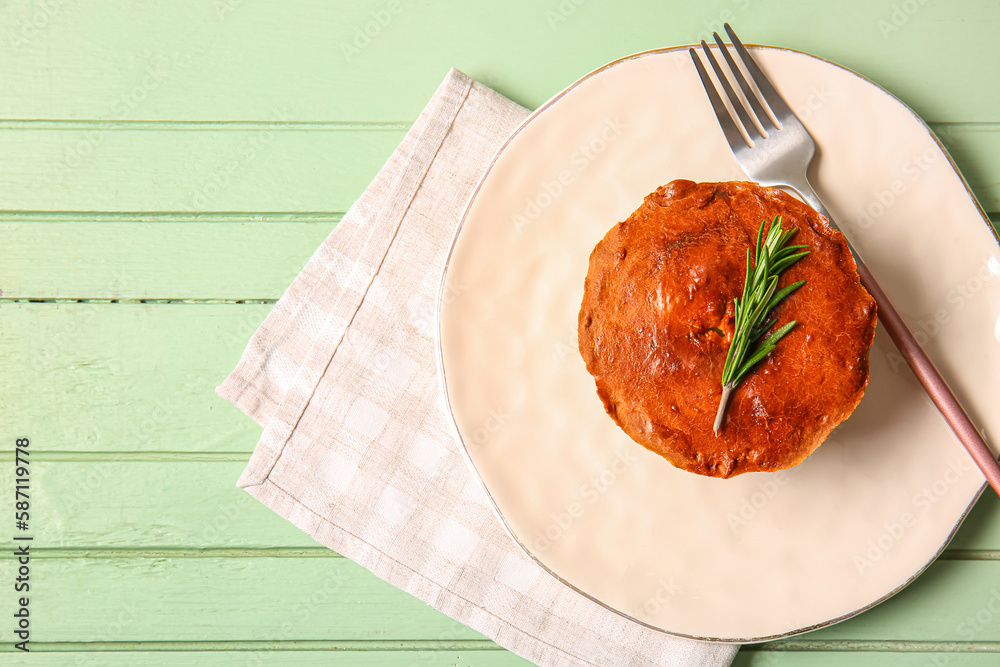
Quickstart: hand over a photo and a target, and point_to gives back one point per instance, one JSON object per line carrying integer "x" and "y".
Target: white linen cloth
{"x": 357, "y": 449}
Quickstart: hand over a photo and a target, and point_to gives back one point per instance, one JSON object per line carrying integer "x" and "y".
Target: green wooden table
{"x": 166, "y": 168}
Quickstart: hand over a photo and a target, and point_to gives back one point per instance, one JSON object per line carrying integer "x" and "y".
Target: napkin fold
{"x": 357, "y": 448}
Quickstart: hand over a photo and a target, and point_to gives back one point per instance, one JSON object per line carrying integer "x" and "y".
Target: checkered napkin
{"x": 357, "y": 448}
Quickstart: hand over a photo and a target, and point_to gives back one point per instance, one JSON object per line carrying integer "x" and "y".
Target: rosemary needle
{"x": 760, "y": 296}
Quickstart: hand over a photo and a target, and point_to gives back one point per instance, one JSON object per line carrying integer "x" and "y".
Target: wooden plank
{"x": 195, "y": 505}
{"x": 314, "y": 56}
{"x": 201, "y": 170}
{"x": 238, "y": 256}
{"x": 168, "y": 656}
{"x": 220, "y": 599}
{"x": 150, "y": 506}
{"x": 141, "y": 377}
{"x": 749, "y": 657}
{"x": 107, "y": 68}
{"x": 69, "y": 171}
{"x": 368, "y": 657}
{"x": 156, "y": 260}
{"x": 262, "y": 599}
{"x": 951, "y": 601}
{"x": 117, "y": 377}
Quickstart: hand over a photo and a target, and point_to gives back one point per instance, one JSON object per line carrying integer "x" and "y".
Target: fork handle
{"x": 931, "y": 379}
{"x": 928, "y": 375}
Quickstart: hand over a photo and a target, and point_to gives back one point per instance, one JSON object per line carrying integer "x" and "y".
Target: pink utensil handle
{"x": 932, "y": 381}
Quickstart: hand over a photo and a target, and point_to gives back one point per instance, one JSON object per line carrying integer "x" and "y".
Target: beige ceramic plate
{"x": 761, "y": 555}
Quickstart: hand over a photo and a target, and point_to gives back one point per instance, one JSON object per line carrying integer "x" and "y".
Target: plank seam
{"x": 136, "y": 456}
{"x": 262, "y": 645}
{"x": 326, "y": 217}
{"x": 69, "y": 553}
{"x": 879, "y": 645}
{"x": 144, "y": 301}
{"x": 307, "y": 552}
{"x": 86, "y": 124}
{"x": 78, "y": 124}
{"x": 380, "y": 645}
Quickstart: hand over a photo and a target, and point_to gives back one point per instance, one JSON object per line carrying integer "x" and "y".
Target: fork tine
{"x": 758, "y": 109}
{"x": 741, "y": 112}
{"x": 771, "y": 96}
{"x": 733, "y": 134}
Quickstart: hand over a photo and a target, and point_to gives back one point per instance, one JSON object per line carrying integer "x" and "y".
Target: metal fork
{"x": 781, "y": 158}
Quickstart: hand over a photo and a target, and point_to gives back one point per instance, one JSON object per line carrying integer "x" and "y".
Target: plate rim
{"x": 463, "y": 449}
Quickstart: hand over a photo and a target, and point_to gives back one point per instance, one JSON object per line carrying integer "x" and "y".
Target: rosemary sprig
{"x": 753, "y": 309}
